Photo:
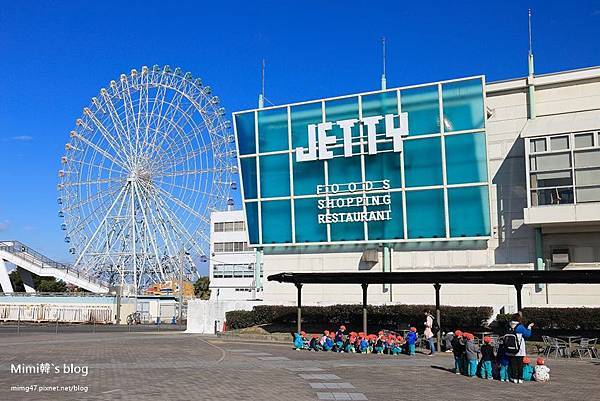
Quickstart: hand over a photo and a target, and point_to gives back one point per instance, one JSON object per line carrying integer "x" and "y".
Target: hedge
{"x": 380, "y": 317}
{"x": 558, "y": 318}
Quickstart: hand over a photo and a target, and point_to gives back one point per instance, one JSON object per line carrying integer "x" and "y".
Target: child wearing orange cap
{"x": 299, "y": 340}
{"x": 487, "y": 357}
{"x": 364, "y": 344}
{"x": 314, "y": 344}
{"x": 472, "y": 352}
{"x": 541, "y": 372}
{"x": 396, "y": 346}
{"x": 411, "y": 339}
{"x": 458, "y": 349}
{"x": 527, "y": 369}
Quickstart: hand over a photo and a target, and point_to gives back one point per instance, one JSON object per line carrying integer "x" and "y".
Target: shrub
{"x": 239, "y": 319}
{"x": 390, "y": 317}
{"x": 559, "y": 318}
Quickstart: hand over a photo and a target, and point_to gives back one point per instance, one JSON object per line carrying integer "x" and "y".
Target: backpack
{"x": 511, "y": 342}
{"x": 435, "y": 327}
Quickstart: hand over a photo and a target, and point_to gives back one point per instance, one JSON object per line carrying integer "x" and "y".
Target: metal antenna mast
{"x": 530, "y": 79}
{"x": 383, "y": 81}
{"x": 261, "y": 97}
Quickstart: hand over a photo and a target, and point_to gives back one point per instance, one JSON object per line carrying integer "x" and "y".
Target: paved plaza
{"x": 179, "y": 366}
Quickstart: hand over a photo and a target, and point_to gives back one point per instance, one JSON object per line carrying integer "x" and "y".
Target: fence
{"x": 57, "y": 313}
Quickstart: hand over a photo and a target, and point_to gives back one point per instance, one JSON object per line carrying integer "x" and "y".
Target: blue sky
{"x": 54, "y": 56}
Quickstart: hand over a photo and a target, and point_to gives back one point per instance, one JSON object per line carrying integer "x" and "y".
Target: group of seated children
{"x": 491, "y": 364}
{"x": 361, "y": 343}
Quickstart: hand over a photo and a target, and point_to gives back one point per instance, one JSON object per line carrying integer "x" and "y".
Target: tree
{"x": 201, "y": 289}
{"x": 41, "y": 284}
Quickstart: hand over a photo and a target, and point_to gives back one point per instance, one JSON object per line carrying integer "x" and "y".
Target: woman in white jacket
{"x": 429, "y": 332}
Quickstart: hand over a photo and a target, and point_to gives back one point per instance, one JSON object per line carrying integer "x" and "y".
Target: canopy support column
{"x": 364, "y": 306}
{"x": 438, "y": 314}
{"x": 299, "y": 317}
{"x": 518, "y": 288}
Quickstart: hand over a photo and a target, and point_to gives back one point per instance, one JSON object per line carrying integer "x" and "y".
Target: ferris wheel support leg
{"x": 5, "y": 283}
{"x": 27, "y": 280}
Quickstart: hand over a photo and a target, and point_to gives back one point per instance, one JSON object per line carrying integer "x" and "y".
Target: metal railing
{"x": 21, "y": 250}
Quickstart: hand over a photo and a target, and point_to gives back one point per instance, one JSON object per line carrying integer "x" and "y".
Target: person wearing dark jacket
{"x": 458, "y": 349}
{"x": 487, "y": 358}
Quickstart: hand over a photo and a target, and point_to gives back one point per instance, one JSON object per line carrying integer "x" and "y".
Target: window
{"x": 559, "y": 143}
{"x": 231, "y": 247}
{"x": 223, "y": 270}
{"x": 538, "y": 145}
{"x": 584, "y": 141}
{"x": 229, "y": 226}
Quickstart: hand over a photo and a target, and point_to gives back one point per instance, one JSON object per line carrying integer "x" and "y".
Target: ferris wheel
{"x": 147, "y": 162}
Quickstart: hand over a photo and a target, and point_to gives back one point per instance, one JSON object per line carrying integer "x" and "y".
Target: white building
{"x": 231, "y": 268}
{"x": 543, "y": 172}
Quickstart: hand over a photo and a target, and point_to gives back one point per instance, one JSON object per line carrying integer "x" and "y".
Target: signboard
{"x": 405, "y": 164}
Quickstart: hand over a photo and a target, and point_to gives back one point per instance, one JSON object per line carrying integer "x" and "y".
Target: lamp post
{"x": 182, "y": 254}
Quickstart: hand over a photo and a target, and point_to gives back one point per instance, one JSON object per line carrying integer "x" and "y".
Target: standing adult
{"x": 520, "y": 333}
{"x": 429, "y": 331}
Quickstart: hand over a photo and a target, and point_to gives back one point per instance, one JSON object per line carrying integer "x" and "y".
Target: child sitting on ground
{"x": 411, "y": 339}
{"x": 314, "y": 344}
{"x": 299, "y": 340}
{"x": 487, "y": 357}
{"x": 396, "y": 345}
{"x": 471, "y": 351}
{"x": 349, "y": 344}
{"x": 379, "y": 346}
{"x": 541, "y": 372}
{"x": 458, "y": 349}
{"x": 504, "y": 362}
{"x": 364, "y": 345}
{"x": 328, "y": 341}
{"x": 527, "y": 369}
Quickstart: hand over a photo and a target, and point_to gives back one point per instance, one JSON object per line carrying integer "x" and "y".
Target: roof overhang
{"x": 562, "y": 123}
{"x": 507, "y": 277}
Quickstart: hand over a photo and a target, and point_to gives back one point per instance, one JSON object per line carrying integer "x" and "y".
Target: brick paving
{"x": 177, "y": 366}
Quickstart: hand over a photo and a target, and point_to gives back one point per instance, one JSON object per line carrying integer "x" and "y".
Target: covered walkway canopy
{"x": 515, "y": 278}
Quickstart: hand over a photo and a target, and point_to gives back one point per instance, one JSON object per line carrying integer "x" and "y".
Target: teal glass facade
{"x": 435, "y": 187}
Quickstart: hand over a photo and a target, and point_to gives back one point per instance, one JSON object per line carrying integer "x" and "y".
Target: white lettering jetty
{"x": 370, "y": 123}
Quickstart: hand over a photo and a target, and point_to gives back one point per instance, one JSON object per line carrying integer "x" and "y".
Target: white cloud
{"x": 22, "y": 138}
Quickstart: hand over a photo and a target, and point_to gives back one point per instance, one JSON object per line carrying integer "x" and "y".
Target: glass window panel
{"x": 384, "y": 166}
{"x": 559, "y": 143}
{"x": 274, "y": 176}
{"x": 388, "y": 229}
{"x": 244, "y": 126}
{"x": 276, "y": 222}
{"x": 423, "y": 162}
{"x": 590, "y": 194}
{"x": 248, "y": 166}
{"x": 463, "y": 105}
{"x": 273, "y": 130}
{"x": 252, "y": 219}
{"x": 555, "y": 196}
{"x": 584, "y": 141}
{"x": 537, "y": 145}
{"x": 347, "y": 231}
{"x": 551, "y": 161}
{"x": 588, "y": 158}
{"x": 425, "y": 214}
{"x": 588, "y": 176}
{"x": 466, "y": 158}
{"x": 423, "y": 108}
{"x": 469, "y": 212}
{"x": 554, "y": 179}
{"x": 308, "y": 228}
{"x": 342, "y": 109}
{"x": 344, "y": 169}
{"x": 307, "y": 175}
{"x": 302, "y": 116}
{"x": 380, "y": 104}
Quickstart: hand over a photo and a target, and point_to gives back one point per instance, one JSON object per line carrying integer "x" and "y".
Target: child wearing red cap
{"x": 299, "y": 340}
{"x": 487, "y": 357}
{"x": 472, "y": 352}
{"x": 314, "y": 344}
{"x": 458, "y": 349}
{"x": 411, "y": 339}
{"x": 541, "y": 371}
{"x": 527, "y": 369}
